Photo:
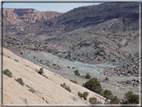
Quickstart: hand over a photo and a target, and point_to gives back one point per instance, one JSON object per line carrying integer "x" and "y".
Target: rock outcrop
{"x": 17, "y": 16}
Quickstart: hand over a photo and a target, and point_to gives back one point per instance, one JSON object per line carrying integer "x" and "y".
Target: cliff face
{"x": 17, "y": 16}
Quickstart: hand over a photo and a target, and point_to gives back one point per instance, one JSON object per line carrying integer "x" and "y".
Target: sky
{"x": 59, "y": 7}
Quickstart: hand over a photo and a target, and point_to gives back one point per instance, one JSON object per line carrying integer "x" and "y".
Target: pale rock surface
{"x": 46, "y": 90}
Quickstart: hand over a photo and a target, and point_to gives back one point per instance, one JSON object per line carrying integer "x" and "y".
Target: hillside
{"x": 110, "y": 27}
{"x": 102, "y": 40}
{"x": 44, "y": 90}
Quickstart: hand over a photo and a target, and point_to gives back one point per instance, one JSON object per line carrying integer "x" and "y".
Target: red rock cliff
{"x": 17, "y": 16}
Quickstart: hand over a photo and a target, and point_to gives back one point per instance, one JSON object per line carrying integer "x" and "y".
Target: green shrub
{"x": 130, "y": 98}
{"x": 102, "y": 94}
{"x": 93, "y": 100}
{"x": 115, "y": 100}
{"x": 54, "y": 64}
{"x": 93, "y": 85}
{"x": 88, "y": 76}
{"x": 85, "y": 94}
{"x": 74, "y": 81}
{"x": 77, "y": 72}
{"x": 21, "y": 53}
{"x": 108, "y": 94}
{"x": 128, "y": 94}
{"x": 20, "y": 80}
{"x": 80, "y": 94}
{"x": 41, "y": 71}
{"x": 7, "y": 73}
{"x": 106, "y": 79}
{"x": 83, "y": 85}
{"x": 66, "y": 87}
{"x": 134, "y": 99}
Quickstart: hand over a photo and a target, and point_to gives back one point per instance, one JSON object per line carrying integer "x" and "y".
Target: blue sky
{"x": 59, "y": 7}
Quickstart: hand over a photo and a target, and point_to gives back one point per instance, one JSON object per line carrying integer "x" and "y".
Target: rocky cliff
{"x": 17, "y": 16}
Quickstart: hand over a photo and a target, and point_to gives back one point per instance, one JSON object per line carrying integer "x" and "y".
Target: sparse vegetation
{"x": 93, "y": 100}
{"x": 106, "y": 79}
{"x": 115, "y": 100}
{"x": 21, "y": 53}
{"x": 80, "y": 94}
{"x": 108, "y": 94}
{"x": 20, "y": 80}
{"x": 130, "y": 98}
{"x": 84, "y": 95}
{"x": 32, "y": 90}
{"x": 88, "y": 76}
{"x": 54, "y": 64}
{"x": 74, "y": 81}
{"x": 41, "y": 71}
{"x": 77, "y": 72}
{"x": 93, "y": 85}
{"x": 66, "y": 87}
{"x": 7, "y": 73}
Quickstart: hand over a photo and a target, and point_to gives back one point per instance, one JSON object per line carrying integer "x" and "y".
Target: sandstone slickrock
{"x": 37, "y": 88}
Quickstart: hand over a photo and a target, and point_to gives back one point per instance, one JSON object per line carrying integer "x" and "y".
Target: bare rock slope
{"x": 38, "y": 89}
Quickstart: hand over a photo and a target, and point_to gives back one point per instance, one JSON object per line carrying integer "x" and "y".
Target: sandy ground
{"x": 46, "y": 90}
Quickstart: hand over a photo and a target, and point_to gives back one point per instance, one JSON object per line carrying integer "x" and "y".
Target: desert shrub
{"x": 108, "y": 94}
{"x": 66, "y": 87}
{"x": 93, "y": 100}
{"x": 84, "y": 95}
{"x": 80, "y": 94}
{"x": 134, "y": 99}
{"x": 41, "y": 71}
{"x": 21, "y": 53}
{"x": 115, "y": 100}
{"x": 93, "y": 85}
{"x": 20, "y": 80}
{"x": 128, "y": 94}
{"x": 68, "y": 67}
{"x": 130, "y": 98}
{"x": 83, "y": 85}
{"x": 88, "y": 76}
{"x": 106, "y": 79}
{"x": 54, "y": 64}
{"x": 7, "y": 73}
{"x": 74, "y": 81}
{"x": 32, "y": 90}
{"x": 77, "y": 72}
{"x": 102, "y": 94}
